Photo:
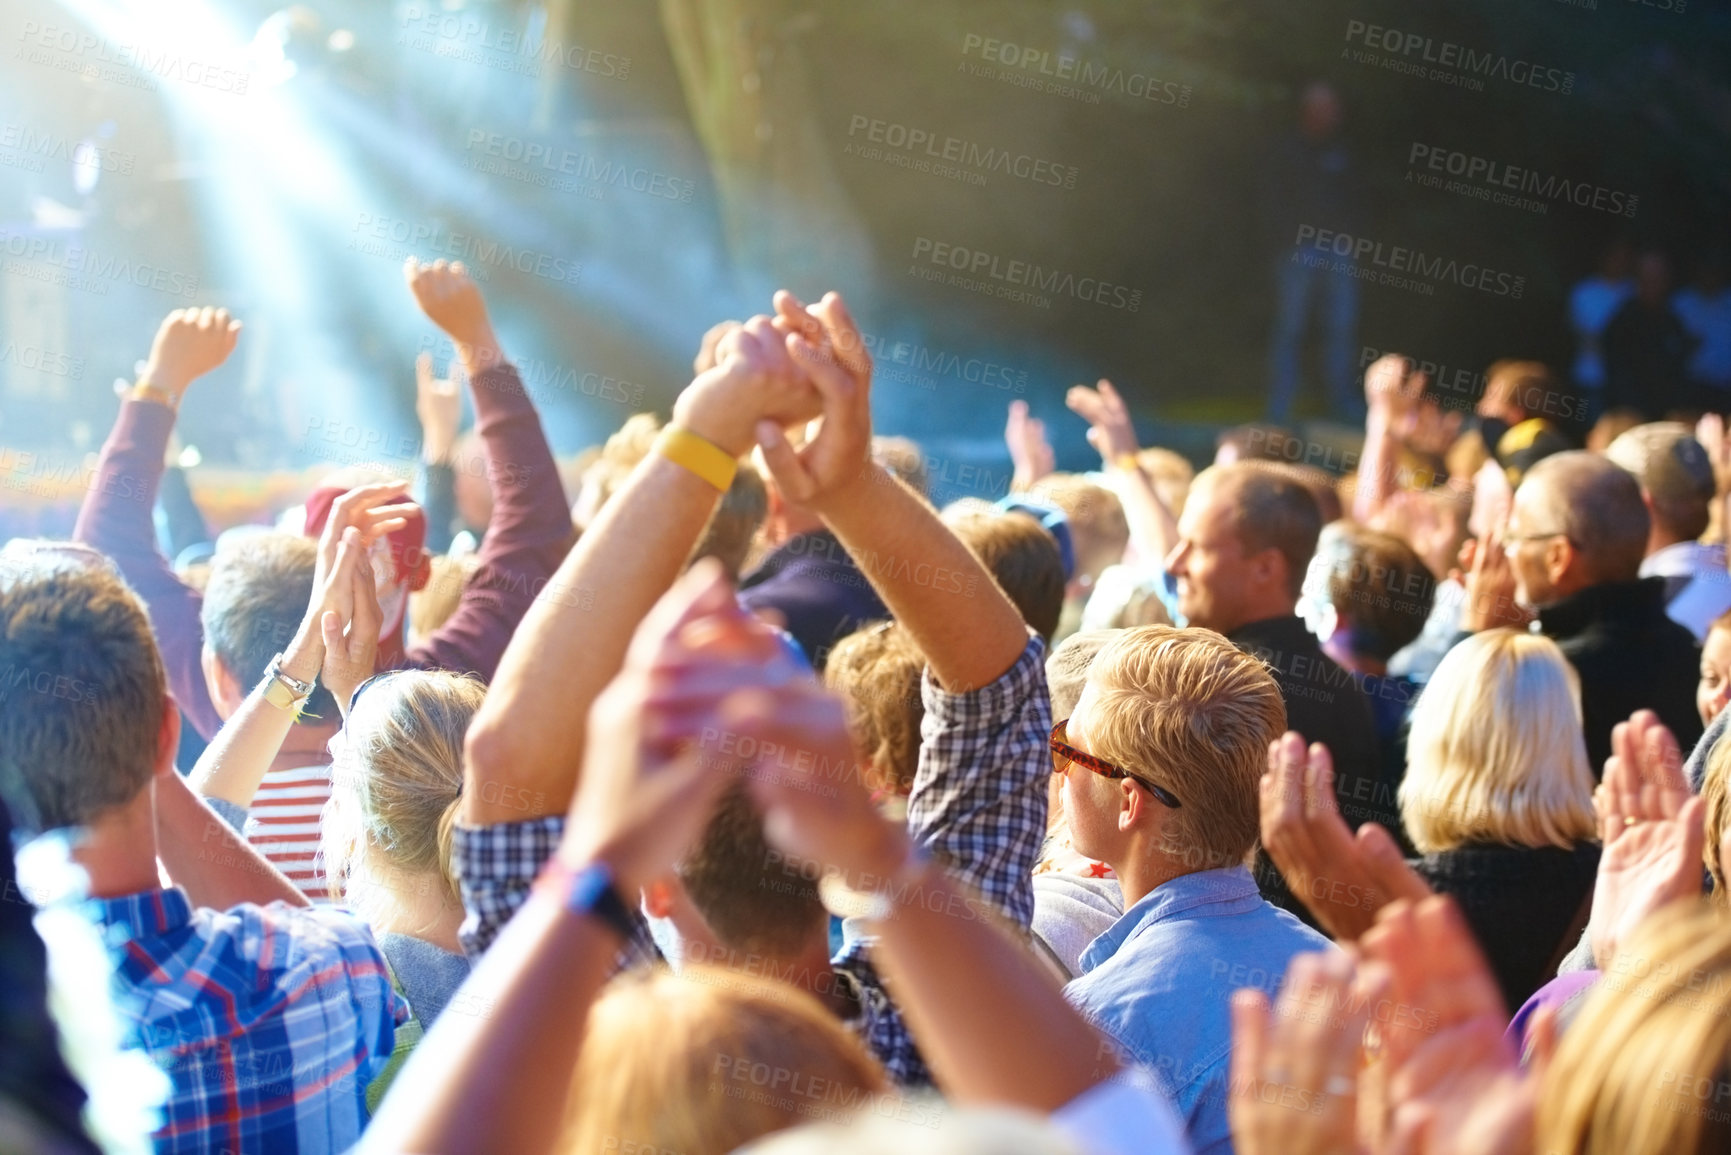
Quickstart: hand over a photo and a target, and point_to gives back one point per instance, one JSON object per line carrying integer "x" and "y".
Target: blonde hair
{"x": 709, "y": 1059}
{"x": 1630, "y": 1073}
{"x": 1716, "y": 794}
{"x": 1495, "y": 753}
{"x": 1098, "y": 528}
{"x": 395, "y": 784}
{"x": 1189, "y": 711}
{"x": 877, "y": 671}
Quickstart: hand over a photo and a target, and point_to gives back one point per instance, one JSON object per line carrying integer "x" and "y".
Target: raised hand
{"x": 648, "y": 783}
{"x": 1343, "y": 879}
{"x": 1392, "y": 388}
{"x": 828, "y": 346}
{"x": 751, "y": 379}
{"x": 189, "y": 343}
{"x": 1110, "y": 430}
{"x": 1490, "y": 590}
{"x": 451, "y": 300}
{"x": 439, "y": 406}
{"x": 350, "y": 628}
{"x": 374, "y": 511}
{"x": 705, "y": 359}
{"x": 1294, "y": 1081}
{"x": 1653, "y": 832}
{"x": 1451, "y": 1081}
{"x": 1031, "y": 454}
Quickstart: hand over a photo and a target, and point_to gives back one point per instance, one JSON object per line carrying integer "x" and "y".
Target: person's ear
{"x": 168, "y": 736}
{"x": 1132, "y": 804}
{"x": 658, "y": 899}
{"x": 225, "y": 692}
{"x": 1268, "y": 567}
{"x": 1561, "y": 556}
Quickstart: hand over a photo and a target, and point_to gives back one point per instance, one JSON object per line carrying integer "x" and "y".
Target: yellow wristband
{"x": 145, "y": 391}
{"x": 1127, "y": 462}
{"x": 704, "y": 458}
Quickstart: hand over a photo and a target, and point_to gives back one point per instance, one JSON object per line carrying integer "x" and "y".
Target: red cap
{"x": 408, "y": 545}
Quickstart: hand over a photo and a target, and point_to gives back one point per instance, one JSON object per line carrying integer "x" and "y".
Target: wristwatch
{"x": 587, "y": 890}
{"x": 283, "y": 691}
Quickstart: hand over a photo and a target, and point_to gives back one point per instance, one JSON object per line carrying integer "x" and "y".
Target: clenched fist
{"x": 452, "y": 301}
{"x": 189, "y": 344}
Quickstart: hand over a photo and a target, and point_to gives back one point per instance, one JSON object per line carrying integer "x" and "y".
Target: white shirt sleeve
{"x": 1126, "y": 1115}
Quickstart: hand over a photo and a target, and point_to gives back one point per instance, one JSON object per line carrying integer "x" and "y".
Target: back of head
{"x": 1098, "y": 526}
{"x": 396, "y": 781}
{"x": 1270, "y": 509}
{"x": 1674, "y": 472}
{"x": 257, "y": 594}
{"x": 1495, "y": 753}
{"x": 1190, "y": 711}
{"x": 82, "y": 694}
{"x": 877, "y": 671}
{"x": 1597, "y": 506}
{"x": 903, "y": 457}
{"x": 1381, "y": 591}
{"x": 705, "y": 1060}
{"x": 1023, "y": 558}
{"x": 755, "y": 899}
{"x": 1067, "y": 668}
{"x": 1644, "y": 1068}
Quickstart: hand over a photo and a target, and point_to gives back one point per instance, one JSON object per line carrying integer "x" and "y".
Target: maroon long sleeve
{"x": 526, "y": 539}
{"x": 116, "y": 519}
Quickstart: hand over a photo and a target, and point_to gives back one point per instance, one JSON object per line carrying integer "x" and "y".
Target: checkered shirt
{"x": 269, "y": 1021}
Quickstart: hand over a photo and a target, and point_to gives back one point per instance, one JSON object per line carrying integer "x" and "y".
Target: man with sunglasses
{"x": 1162, "y": 762}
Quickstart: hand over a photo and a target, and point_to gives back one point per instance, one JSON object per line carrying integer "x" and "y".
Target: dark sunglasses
{"x": 1063, "y": 754}
{"x": 365, "y": 686}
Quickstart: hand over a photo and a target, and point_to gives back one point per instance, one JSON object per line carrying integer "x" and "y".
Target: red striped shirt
{"x": 283, "y": 823}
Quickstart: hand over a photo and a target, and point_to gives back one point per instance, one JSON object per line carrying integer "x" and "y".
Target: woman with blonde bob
{"x": 1498, "y": 798}
{"x": 705, "y": 1060}
{"x": 396, "y": 778}
{"x": 1646, "y": 1068}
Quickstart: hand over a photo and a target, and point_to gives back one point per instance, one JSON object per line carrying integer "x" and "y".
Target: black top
{"x": 1630, "y": 657}
{"x": 1519, "y": 901}
{"x": 1323, "y": 703}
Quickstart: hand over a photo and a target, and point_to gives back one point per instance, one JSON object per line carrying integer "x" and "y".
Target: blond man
{"x": 1162, "y": 763}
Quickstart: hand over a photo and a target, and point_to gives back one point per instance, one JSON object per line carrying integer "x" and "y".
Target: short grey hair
{"x": 1674, "y": 471}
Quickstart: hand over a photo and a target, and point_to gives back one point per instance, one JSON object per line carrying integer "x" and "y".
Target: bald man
{"x": 1576, "y": 538}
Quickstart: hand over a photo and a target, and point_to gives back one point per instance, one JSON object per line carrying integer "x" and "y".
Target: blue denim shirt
{"x": 1160, "y": 981}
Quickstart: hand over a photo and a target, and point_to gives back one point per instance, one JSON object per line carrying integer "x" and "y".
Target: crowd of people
{"x": 747, "y": 800}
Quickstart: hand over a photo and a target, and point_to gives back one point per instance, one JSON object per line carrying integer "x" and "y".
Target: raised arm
{"x": 1391, "y": 390}
{"x": 209, "y": 858}
{"x": 531, "y": 525}
{"x": 237, "y": 759}
{"x": 116, "y": 515}
{"x": 969, "y": 631}
{"x": 1153, "y": 527}
{"x": 519, "y": 762}
{"x": 439, "y": 408}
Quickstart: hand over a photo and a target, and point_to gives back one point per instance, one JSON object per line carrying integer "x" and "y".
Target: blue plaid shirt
{"x": 978, "y": 805}
{"x": 270, "y": 1021}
